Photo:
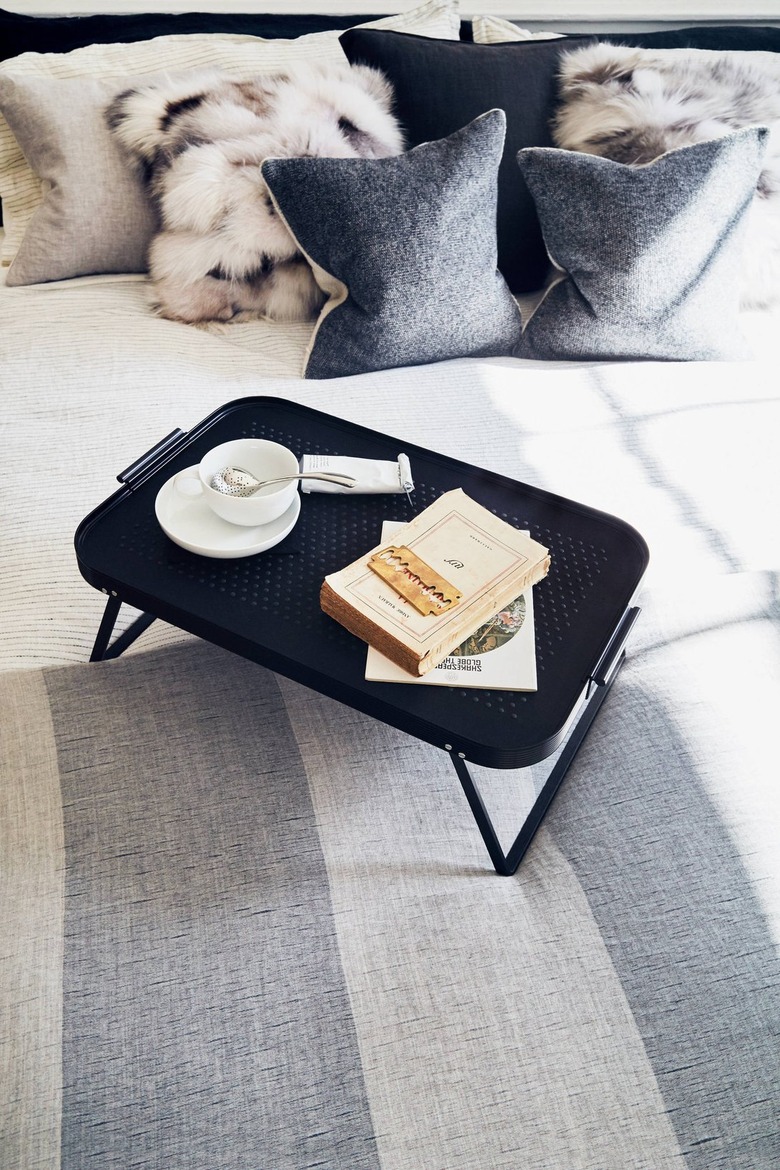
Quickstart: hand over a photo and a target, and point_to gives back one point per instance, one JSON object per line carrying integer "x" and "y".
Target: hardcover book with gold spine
{"x": 417, "y": 597}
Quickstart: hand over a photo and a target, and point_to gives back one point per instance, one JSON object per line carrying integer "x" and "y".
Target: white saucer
{"x": 190, "y": 523}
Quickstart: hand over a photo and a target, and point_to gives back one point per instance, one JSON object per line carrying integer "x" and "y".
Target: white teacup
{"x": 264, "y": 460}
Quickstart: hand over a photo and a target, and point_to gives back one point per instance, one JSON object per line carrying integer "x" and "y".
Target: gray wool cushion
{"x": 650, "y": 254}
{"x": 406, "y": 249}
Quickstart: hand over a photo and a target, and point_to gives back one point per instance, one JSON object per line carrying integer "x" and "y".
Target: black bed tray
{"x": 266, "y": 607}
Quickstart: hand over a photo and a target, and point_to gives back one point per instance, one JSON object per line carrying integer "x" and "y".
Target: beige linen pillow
{"x": 95, "y": 215}
{"x": 55, "y": 102}
{"x": 493, "y": 30}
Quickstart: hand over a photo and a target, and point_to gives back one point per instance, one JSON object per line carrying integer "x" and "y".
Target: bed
{"x": 266, "y": 933}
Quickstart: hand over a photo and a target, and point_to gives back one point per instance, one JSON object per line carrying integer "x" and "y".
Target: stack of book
{"x": 444, "y": 599}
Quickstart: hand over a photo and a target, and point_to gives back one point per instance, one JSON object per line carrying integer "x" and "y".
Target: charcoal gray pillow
{"x": 651, "y": 255}
{"x": 440, "y": 86}
{"x": 406, "y": 249}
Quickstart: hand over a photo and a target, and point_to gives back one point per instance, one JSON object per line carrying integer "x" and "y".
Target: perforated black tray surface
{"x": 266, "y": 607}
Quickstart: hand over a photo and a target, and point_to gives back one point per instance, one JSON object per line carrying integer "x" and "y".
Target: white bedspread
{"x": 91, "y": 379}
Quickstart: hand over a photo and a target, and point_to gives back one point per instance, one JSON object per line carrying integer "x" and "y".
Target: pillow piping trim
{"x": 336, "y": 289}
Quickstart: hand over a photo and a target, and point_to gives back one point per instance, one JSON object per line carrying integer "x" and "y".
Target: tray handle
{"x": 141, "y": 467}
{"x": 608, "y": 662}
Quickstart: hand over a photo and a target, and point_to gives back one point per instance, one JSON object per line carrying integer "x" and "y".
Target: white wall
{"x": 533, "y": 13}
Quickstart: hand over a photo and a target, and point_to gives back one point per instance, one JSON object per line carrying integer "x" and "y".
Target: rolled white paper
{"x": 371, "y": 475}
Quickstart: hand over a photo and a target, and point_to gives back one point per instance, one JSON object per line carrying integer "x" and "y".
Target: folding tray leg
{"x": 101, "y": 649}
{"x": 507, "y": 863}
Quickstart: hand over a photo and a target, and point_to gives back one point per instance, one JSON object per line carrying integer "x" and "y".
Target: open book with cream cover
{"x": 443, "y": 575}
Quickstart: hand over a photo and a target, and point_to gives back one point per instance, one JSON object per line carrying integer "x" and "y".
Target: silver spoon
{"x": 236, "y": 481}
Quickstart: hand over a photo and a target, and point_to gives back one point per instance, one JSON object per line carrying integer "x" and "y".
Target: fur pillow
{"x": 633, "y": 105}
{"x": 223, "y": 252}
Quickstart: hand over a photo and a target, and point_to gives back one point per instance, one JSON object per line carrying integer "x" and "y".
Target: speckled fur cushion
{"x": 223, "y": 252}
